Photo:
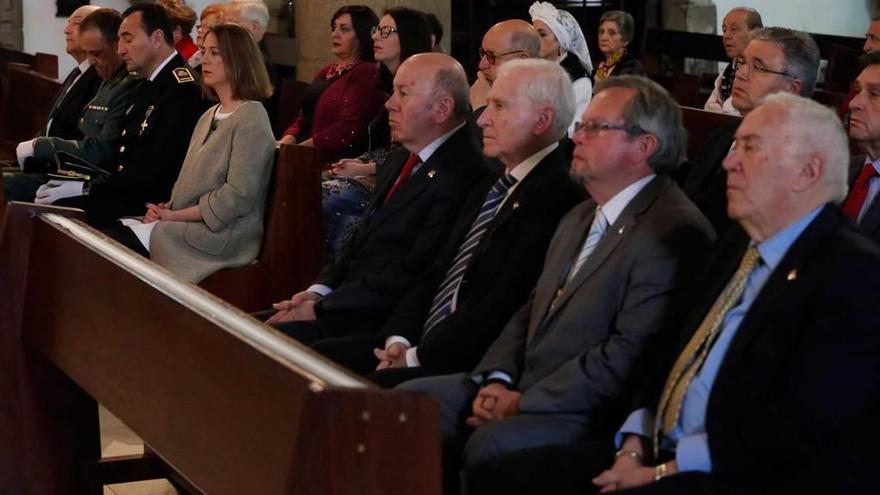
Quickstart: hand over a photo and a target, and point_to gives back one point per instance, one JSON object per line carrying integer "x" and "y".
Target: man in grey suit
{"x": 614, "y": 280}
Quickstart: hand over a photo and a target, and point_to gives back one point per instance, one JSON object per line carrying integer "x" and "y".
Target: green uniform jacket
{"x": 100, "y": 123}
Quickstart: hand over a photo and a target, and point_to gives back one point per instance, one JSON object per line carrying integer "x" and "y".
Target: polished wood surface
{"x": 292, "y": 244}
{"x": 700, "y": 124}
{"x": 26, "y": 100}
{"x": 229, "y": 404}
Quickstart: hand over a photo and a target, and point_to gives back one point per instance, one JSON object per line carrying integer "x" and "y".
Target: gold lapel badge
{"x": 431, "y": 174}
{"x": 792, "y": 275}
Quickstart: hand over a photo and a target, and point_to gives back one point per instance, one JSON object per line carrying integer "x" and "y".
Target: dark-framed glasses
{"x": 384, "y": 31}
{"x": 594, "y": 127}
{"x": 755, "y": 67}
{"x": 491, "y": 57}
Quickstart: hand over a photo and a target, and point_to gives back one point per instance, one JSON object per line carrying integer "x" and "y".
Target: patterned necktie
{"x": 65, "y": 87}
{"x": 694, "y": 354}
{"x": 446, "y": 293}
{"x": 853, "y": 204}
{"x": 726, "y": 87}
{"x": 405, "y": 172}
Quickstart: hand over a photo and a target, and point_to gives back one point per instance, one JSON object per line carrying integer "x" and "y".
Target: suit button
{"x": 124, "y": 132}
{"x": 122, "y": 149}
{"x": 119, "y": 168}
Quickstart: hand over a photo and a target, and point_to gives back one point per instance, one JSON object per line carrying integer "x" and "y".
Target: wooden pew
{"x": 292, "y": 252}
{"x": 27, "y": 99}
{"x": 230, "y": 405}
{"x": 700, "y": 124}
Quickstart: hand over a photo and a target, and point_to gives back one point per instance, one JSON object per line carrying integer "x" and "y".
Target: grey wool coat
{"x": 226, "y": 173}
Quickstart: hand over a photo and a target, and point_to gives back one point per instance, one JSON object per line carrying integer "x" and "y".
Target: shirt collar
{"x": 429, "y": 150}
{"x": 614, "y": 206}
{"x": 84, "y": 66}
{"x": 875, "y": 163}
{"x": 523, "y": 168}
{"x": 773, "y": 249}
{"x": 162, "y": 66}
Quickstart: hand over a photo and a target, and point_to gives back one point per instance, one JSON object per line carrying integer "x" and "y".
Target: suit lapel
{"x": 784, "y": 288}
{"x": 612, "y": 238}
{"x": 557, "y": 267}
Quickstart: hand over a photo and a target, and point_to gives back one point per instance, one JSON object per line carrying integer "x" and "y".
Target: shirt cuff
{"x": 692, "y": 453}
{"x": 640, "y": 422}
{"x": 500, "y": 375}
{"x": 412, "y": 358}
{"x": 397, "y": 339}
{"x": 321, "y": 290}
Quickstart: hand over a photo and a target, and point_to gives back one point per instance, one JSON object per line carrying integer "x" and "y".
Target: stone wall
{"x": 313, "y": 28}
{"x": 11, "y": 24}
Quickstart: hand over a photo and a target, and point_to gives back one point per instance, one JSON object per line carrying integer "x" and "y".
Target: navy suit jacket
{"x": 794, "y": 406}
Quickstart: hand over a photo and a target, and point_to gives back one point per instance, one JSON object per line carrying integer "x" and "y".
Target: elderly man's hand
{"x": 494, "y": 402}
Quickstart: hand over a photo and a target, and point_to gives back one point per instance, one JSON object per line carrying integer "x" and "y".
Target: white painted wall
{"x": 43, "y": 32}
{"x": 840, "y": 17}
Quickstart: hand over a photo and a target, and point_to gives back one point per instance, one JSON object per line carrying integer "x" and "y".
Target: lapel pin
{"x": 620, "y": 231}
{"x": 431, "y": 174}
{"x": 515, "y": 205}
{"x": 791, "y": 275}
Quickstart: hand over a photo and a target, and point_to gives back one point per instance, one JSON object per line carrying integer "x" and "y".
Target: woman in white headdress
{"x": 562, "y": 41}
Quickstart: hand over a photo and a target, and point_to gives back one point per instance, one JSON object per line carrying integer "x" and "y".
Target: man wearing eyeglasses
{"x": 776, "y": 59}
{"x": 613, "y": 283}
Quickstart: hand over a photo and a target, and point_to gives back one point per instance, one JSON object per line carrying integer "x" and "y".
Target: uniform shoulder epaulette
{"x": 183, "y": 75}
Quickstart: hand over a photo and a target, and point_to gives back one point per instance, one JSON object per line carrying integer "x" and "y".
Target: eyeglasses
{"x": 756, "y": 67}
{"x": 593, "y": 127}
{"x": 491, "y": 57}
{"x": 384, "y": 31}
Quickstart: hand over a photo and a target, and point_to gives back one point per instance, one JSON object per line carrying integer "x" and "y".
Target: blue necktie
{"x": 445, "y": 297}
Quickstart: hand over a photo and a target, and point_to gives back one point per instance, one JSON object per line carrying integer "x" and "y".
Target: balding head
{"x": 508, "y": 40}
{"x": 430, "y": 98}
{"x": 71, "y": 32}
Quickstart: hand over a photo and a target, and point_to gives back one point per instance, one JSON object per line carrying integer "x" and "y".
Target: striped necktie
{"x": 694, "y": 354}
{"x": 444, "y": 299}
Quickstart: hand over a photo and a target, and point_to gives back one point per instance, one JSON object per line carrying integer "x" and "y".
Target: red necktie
{"x": 856, "y": 198}
{"x": 405, "y": 172}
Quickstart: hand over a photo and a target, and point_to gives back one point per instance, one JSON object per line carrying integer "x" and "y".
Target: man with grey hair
{"x": 252, "y": 15}
{"x": 776, "y": 59}
{"x": 775, "y": 391}
{"x": 494, "y": 254}
{"x": 567, "y": 362}
{"x": 736, "y": 28}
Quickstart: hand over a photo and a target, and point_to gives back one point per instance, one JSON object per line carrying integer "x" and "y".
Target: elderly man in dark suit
{"x": 776, "y": 389}
{"x": 776, "y": 59}
{"x": 419, "y": 194}
{"x": 861, "y": 203}
{"x": 496, "y": 249}
{"x": 613, "y": 279}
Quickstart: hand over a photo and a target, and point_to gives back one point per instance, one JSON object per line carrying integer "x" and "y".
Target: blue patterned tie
{"x": 598, "y": 227}
{"x": 446, "y": 294}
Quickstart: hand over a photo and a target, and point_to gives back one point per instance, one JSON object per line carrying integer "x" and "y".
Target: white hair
{"x": 253, "y": 10}
{"x": 817, "y": 129}
{"x": 547, "y": 84}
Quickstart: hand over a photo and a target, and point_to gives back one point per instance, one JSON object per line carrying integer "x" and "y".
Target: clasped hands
{"x": 300, "y": 307}
{"x": 393, "y": 356}
{"x": 158, "y": 212}
{"x": 493, "y": 402}
{"x": 629, "y": 471}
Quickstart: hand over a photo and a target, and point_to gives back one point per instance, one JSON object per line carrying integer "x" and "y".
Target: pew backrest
{"x": 700, "y": 124}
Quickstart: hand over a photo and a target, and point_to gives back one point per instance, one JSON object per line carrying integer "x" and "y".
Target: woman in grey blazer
{"x": 214, "y": 218}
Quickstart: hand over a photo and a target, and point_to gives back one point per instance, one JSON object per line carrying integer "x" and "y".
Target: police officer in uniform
{"x": 101, "y": 120}
{"x": 156, "y": 127}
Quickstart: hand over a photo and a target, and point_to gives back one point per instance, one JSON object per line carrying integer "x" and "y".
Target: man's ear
{"x": 646, "y": 146}
{"x": 445, "y": 106}
{"x": 796, "y": 86}
{"x": 810, "y": 171}
{"x": 544, "y": 121}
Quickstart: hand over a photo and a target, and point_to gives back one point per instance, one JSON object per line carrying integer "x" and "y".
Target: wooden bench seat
{"x": 228, "y": 404}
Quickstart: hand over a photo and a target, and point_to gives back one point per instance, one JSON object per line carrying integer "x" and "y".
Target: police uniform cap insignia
{"x": 183, "y": 75}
